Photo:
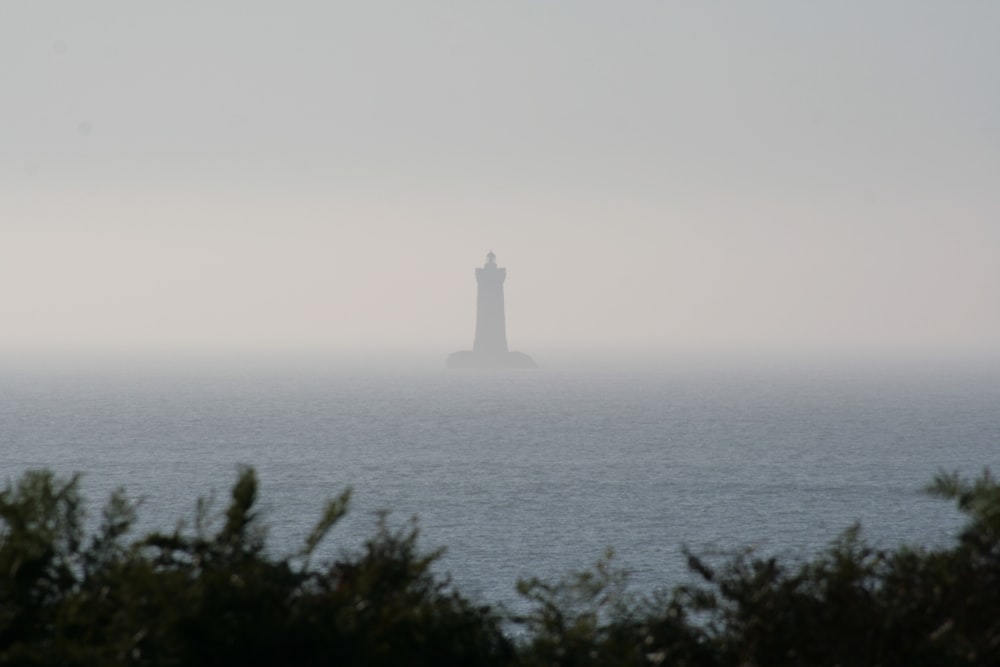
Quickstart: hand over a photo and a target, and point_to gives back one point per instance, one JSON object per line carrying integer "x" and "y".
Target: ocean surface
{"x": 526, "y": 473}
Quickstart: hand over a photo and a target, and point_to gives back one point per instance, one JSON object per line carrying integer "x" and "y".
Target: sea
{"x": 520, "y": 473}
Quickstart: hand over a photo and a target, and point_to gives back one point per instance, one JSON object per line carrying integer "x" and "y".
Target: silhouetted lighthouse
{"x": 489, "y": 350}
{"x": 491, "y": 327}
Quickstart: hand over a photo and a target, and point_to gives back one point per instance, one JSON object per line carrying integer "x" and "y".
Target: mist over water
{"x": 753, "y": 250}
{"x": 654, "y": 176}
{"x": 522, "y": 473}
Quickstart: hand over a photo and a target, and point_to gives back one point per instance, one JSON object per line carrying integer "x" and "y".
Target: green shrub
{"x": 209, "y": 596}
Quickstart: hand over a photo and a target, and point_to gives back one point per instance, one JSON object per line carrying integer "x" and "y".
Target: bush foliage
{"x": 214, "y": 595}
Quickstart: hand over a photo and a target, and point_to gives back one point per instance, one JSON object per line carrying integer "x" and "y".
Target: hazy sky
{"x": 654, "y": 175}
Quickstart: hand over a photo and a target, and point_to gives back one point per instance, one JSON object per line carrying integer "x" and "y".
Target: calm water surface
{"x": 526, "y": 473}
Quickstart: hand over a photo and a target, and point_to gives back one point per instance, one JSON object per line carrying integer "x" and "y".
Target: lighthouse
{"x": 491, "y": 326}
{"x": 489, "y": 348}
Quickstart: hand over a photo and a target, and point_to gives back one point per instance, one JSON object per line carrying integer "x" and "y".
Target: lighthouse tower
{"x": 489, "y": 350}
{"x": 491, "y": 327}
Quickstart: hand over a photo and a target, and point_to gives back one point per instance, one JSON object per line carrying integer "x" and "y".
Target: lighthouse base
{"x": 470, "y": 359}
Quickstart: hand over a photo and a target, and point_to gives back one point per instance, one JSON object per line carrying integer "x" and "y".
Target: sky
{"x": 657, "y": 177}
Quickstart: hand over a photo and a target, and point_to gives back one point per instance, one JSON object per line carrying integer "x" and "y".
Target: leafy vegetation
{"x": 214, "y": 595}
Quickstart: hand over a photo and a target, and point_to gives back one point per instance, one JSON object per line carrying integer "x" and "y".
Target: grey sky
{"x": 659, "y": 175}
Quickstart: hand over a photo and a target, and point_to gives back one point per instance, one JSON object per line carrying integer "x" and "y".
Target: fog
{"x": 658, "y": 178}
